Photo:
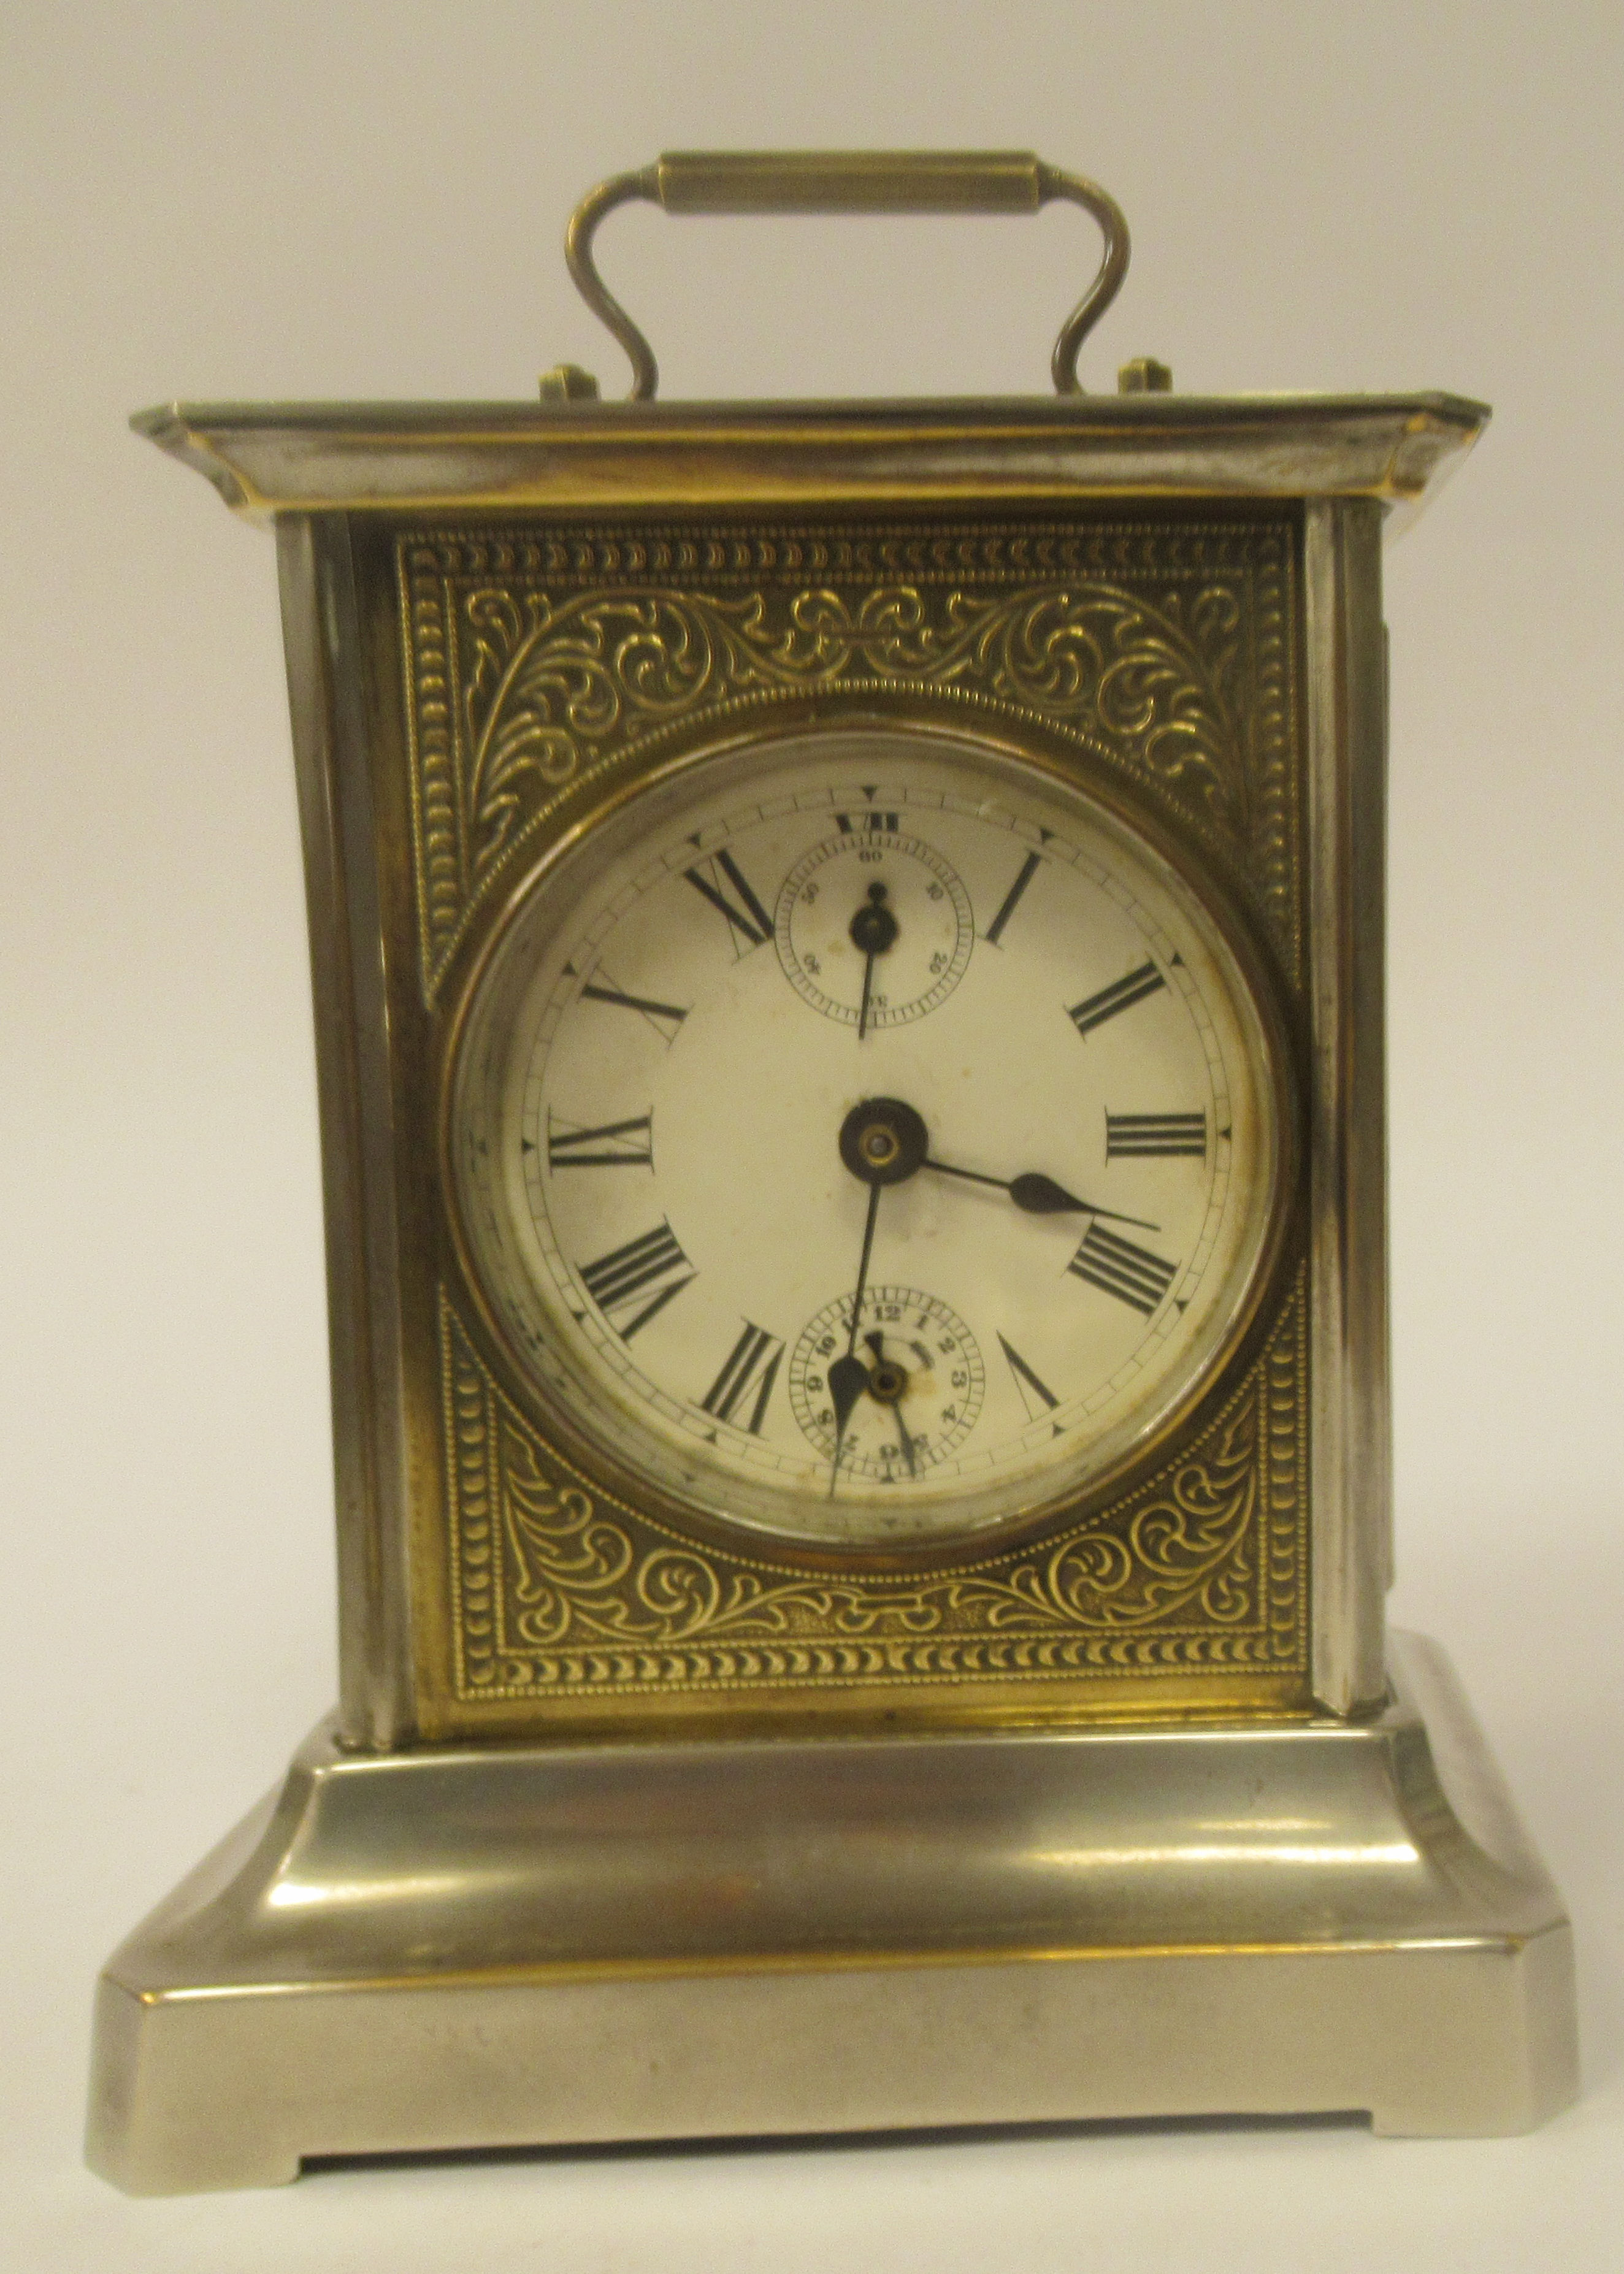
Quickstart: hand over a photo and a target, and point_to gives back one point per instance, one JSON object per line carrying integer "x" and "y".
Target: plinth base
{"x": 462, "y": 1948}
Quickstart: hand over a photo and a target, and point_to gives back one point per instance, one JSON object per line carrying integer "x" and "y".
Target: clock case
{"x": 475, "y": 682}
{"x": 654, "y": 1831}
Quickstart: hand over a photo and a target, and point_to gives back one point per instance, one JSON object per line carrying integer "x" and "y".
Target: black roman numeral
{"x": 1094, "y": 1010}
{"x": 751, "y": 1369}
{"x": 1154, "y": 1136}
{"x": 1035, "y": 1394}
{"x": 665, "y": 1018}
{"x": 1029, "y": 868}
{"x": 652, "y": 1265}
{"x": 1116, "y": 1267}
{"x": 616, "y": 1145}
{"x": 751, "y": 921}
{"x": 866, "y": 822}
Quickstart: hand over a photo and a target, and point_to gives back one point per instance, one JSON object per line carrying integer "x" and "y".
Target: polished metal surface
{"x": 1350, "y": 1435}
{"x": 461, "y": 1947}
{"x": 382, "y": 809}
{"x": 271, "y": 458}
{"x": 1144, "y": 375}
{"x": 847, "y": 181}
{"x": 354, "y": 853}
{"x": 834, "y": 1856}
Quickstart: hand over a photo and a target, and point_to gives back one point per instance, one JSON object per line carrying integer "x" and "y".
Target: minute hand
{"x": 848, "y": 1376}
{"x": 1038, "y": 1195}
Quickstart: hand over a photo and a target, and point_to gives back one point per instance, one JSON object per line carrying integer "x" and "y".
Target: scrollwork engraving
{"x": 562, "y": 1590}
{"x": 538, "y": 660}
{"x": 1163, "y": 653}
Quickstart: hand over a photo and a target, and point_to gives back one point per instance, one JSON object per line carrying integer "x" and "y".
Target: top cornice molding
{"x": 267, "y": 459}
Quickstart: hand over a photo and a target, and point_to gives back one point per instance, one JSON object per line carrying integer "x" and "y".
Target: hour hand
{"x": 1039, "y": 1195}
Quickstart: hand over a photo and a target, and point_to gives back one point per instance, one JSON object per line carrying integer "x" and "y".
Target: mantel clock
{"x": 847, "y": 943}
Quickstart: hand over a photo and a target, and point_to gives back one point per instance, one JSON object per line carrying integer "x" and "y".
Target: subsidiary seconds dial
{"x": 865, "y": 1139}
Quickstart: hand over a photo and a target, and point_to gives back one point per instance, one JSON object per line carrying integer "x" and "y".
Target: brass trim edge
{"x": 271, "y": 458}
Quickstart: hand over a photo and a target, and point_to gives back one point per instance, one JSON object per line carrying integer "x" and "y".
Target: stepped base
{"x": 459, "y": 1947}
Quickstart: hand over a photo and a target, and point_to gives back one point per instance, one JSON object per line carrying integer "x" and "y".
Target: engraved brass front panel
{"x": 542, "y": 669}
{"x": 561, "y": 1592}
{"x": 535, "y": 658}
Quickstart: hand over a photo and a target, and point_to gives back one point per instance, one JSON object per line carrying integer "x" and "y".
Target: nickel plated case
{"x": 623, "y": 1830}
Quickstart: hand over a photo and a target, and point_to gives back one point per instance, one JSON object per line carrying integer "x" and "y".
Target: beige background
{"x": 365, "y": 199}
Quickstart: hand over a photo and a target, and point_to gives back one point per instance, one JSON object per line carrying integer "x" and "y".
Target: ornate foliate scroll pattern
{"x": 559, "y": 1590}
{"x": 551, "y": 683}
{"x": 1164, "y": 654}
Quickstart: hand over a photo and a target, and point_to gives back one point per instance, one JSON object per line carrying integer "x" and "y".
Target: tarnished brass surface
{"x": 765, "y": 1836}
{"x": 1144, "y": 375}
{"x": 466, "y": 696}
{"x": 569, "y": 1603}
{"x": 1162, "y": 651}
{"x": 461, "y": 699}
{"x": 847, "y": 181}
{"x": 574, "y": 456}
{"x": 457, "y": 1947}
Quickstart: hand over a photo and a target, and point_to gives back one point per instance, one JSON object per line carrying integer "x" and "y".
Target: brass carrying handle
{"x": 847, "y": 181}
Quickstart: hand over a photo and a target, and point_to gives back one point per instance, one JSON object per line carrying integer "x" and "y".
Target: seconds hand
{"x": 873, "y": 931}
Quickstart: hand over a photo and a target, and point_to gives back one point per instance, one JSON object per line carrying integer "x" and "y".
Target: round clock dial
{"x": 865, "y": 1138}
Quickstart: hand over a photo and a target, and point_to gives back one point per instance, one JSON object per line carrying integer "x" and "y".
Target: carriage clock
{"x": 848, "y": 946}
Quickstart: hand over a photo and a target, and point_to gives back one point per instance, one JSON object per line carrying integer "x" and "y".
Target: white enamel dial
{"x": 865, "y": 1138}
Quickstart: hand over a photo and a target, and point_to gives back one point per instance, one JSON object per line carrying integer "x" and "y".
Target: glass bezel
{"x": 641, "y": 807}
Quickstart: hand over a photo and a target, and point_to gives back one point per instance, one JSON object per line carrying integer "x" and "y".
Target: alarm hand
{"x": 887, "y": 1384}
{"x": 1038, "y": 1196}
